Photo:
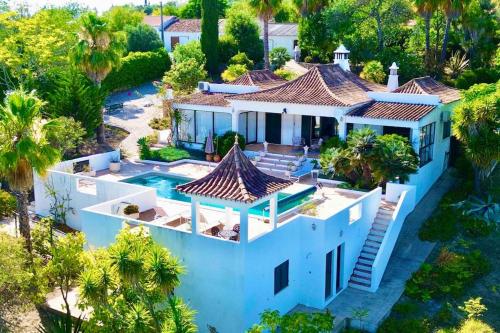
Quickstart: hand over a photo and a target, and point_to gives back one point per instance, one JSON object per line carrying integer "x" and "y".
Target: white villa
{"x": 327, "y": 101}
{"x": 180, "y": 31}
{"x": 245, "y": 233}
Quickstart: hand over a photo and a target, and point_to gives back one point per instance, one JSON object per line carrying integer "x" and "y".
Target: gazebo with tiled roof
{"x": 235, "y": 183}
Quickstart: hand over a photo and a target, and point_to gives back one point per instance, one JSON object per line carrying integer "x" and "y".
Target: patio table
{"x": 227, "y": 233}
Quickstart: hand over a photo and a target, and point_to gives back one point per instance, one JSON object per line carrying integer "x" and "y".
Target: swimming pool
{"x": 165, "y": 188}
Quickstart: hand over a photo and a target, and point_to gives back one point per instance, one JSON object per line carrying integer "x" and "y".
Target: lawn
{"x": 171, "y": 154}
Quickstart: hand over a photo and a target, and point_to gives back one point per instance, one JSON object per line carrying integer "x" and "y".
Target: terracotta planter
{"x": 114, "y": 167}
{"x": 208, "y": 157}
{"x": 217, "y": 158}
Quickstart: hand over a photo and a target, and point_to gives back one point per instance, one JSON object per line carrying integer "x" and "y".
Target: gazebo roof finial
{"x": 236, "y": 139}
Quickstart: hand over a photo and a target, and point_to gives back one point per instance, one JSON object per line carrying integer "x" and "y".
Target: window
{"x": 204, "y": 124}
{"x": 195, "y": 125}
{"x": 281, "y": 277}
{"x": 328, "y": 275}
{"x": 446, "y": 129}
{"x": 426, "y": 143}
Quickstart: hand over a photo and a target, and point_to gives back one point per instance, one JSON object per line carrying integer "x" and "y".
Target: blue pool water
{"x": 165, "y": 188}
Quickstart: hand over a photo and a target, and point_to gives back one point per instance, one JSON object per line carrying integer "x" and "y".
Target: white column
{"x": 244, "y": 225}
{"x": 342, "y": 128}
{"x": 415, "y": 138}
{"x": 229, "y": 216}
{"x": 273, "y": 211}
{"x": 235, "y": 120}
{"x": 195, "y": 215}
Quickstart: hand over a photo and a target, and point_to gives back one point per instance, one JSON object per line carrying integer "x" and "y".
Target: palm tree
{"x": 425, "y": 8}
{"x": 266, "y": 10}
{"x": 24, "y": 148}
{"x": 361, "y": 144}
{"x": 452, "y": 9}
{"x": 307, "y": 7}
{"x": 98, "y": 51}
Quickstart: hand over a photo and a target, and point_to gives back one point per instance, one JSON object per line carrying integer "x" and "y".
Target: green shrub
{"x": 473, "y": 325}
{"x": 481, "y": 75}
{"x": 448, "y": 276}
{"x": 474, "y": 227}
{"x": 278, "y": 57}
{"x": 131, "y": 209}
{"x": 226, "y": 142}
{"x": 441, "y": 226}
{"x": 137, "y": 68}
{"x": 228, "y": 48}
{"x": 233, "y": 72}
{"x": 333, "y": 142}
{"x": 190, "y": 50}
{"x": 405, "y": 308}
{"x": 159, "y": 124}
{"x": 392, "y": 325}
{"x": 144, "y": 151}
{"x": 285, "y": 74}
{"x": 7, "y": 204}
{"x": 241, "y": 58}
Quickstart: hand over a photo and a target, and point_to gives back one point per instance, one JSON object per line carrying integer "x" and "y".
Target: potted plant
{"x": 131, "y": 211}
{"x": 217, "y": 156}
{"x": 291, "y": 166}
{"x": 257, "y": 158}
{"x": 315, "y": 164}
{"x": 114, "y": 164}
{"x": 87, "y": 171}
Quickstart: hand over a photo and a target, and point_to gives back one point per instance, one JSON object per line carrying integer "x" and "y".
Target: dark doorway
{"x": 328, "y": 275}
{"x": 338, "y": 275}
{"x": 403, "y": 131}
{"x": 273, "y": 128}
{"x": 174, "y": 40}
{"x": 314, "y": 128}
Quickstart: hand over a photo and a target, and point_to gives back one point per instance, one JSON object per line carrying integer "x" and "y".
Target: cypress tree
{"x": 210, "y": 34}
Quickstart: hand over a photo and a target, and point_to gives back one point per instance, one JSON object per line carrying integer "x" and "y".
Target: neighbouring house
{"x": 180, "y": 31}
{"x": 328, "y": 100}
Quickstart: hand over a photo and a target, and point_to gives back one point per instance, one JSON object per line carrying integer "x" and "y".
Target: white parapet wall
{"x": 405, "y": 197}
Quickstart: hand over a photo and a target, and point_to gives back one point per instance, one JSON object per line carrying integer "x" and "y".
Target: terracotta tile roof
{"x": 428, "y": 86}
{"x": 321, "y": 85}
{"x": 235, "y": 179}
{"x": 187, "y": 25}
{"x": 155, "y": 21}
{"x": 390, "y": 110}
{"x": 203, "y": 98}
{"x": 261, "y": 78}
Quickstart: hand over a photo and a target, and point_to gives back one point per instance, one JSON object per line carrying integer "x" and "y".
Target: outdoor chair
{"x": 214, "y": 231}
{"x": 317, "y": 144}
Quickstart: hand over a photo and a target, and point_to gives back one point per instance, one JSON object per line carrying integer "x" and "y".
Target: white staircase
{"x": 276, "y": 162}
{"x": 362, "y": 275}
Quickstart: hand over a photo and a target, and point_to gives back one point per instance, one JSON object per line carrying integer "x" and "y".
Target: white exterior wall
{"x": 184, "y": 37}
{"x": 282, "y": 41}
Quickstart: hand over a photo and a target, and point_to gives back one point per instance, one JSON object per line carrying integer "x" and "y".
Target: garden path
{"x": 408, "y": 255}
{"x": 140, "y": 105}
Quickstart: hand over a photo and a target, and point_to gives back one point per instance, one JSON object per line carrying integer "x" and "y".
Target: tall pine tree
{"x": 210, "y": 34}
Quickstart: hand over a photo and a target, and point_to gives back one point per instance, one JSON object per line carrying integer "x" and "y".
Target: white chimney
{"x": 341, "y": 57}
{"x": 393, "y": 83}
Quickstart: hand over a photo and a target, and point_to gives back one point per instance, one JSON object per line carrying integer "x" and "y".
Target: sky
{"x": 100, "y": 5}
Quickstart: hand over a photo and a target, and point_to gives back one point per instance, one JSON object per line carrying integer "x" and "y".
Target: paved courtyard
{"x": 140, "y": 105}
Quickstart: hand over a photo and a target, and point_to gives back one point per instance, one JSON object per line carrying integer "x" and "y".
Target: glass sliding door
{"x": 248, "y": 126}
{"x": 204, "y": 125}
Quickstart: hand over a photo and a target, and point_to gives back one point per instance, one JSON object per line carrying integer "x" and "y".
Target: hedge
{"x": 137, "y": 68}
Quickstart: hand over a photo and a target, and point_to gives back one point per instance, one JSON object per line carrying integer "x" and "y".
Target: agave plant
{"x": 486, "y": 210}
{"x": 456, "y": 65}
{"x": 58, "y": 324}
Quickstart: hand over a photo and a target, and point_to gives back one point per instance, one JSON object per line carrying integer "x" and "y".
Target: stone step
{"x": 272, "y": 166}
{"x": 380, "y": 226}
{"x": 372, "y": 242}
{"x": 369, "y": 255}
{"x": 377, "y": 238}
{"x": 362, "y": 266}
{"x": 363, "y": 272}
{"x": 376, "y": 232}
{"x": 371, "y": 247}
{"x": 281, "y": 157}
{"x": 365, "y": 260}
{"x": 276, "y": 161}
{"x": 370, "y": 250}
{"x": 360, "y": 277}
{"x": 353, "y": 283}
{"x": 383, "y": 220}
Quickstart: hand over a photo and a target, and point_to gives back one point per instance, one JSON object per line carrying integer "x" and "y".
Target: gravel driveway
{"x": 140, "y": 105}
